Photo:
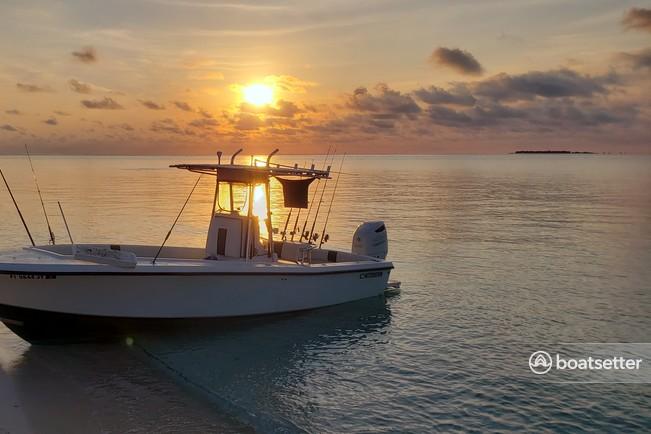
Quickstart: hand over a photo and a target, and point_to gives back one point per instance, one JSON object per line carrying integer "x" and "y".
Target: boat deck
{"x": 46, "y": 259}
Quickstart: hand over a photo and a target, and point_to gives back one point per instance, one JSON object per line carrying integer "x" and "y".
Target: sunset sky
{"x": 172, "y": 76}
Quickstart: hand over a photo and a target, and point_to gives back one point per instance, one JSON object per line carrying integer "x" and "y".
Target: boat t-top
{"x": 56, "y": 290}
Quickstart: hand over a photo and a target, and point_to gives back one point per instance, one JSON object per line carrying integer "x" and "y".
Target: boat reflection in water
{"x": 263, "y": 371}
{"x": 256, "y": 370}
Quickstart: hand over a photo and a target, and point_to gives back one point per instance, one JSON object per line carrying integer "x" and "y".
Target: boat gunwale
{"x": 183, "y": 266}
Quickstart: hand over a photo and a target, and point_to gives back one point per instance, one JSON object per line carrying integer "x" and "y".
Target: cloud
{"x": 638, "y": 60}
{"x": 458, "y": 60}
{"x": 459, "y": 95}
{"x": 637, "y": 19}
{"x": 334, "y": 126}
{"x": 183, "y": 106}
{"x": 556, "y": 114}
{"x": 220, "y": 5}
{"x": 169, "y": 126}
{"x": 563, "y": 114}
{"x": 80, "y": 86}
{"x": 385, "y": 100}
{"x": 151, "y": 105}
{"x": 547, "y": 84}
{"x": 85, "y": 55}
{"x": 208, "y": 76}
{"x": 448, "y": 117}
{"x": 87, "y": 88}
{"x": 284, "y": 131}
{"x": 32, "y": 88}
{"x": 284, "y": 109}
{"x": 247, "y": 122}
{"x": 289, "y": 83}
{"x": 382, "y": 123}
{"x": 51, "y": 121}
{"x": 8, "y": 127}
{"x": 568, "y": 114}
{"x": 124, "y": 126}
{"x": 205, "y": 113}
{"x": 13, "y": 112}
{"x": 536, "y": 101}
{"x": 93, "y": 121}
{"x": 204, "y": 123}
{"x": 104, "y": 104}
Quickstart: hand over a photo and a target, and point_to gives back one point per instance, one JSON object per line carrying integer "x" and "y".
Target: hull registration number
{"x": 33, "y": 276}
{"x": 370, "y": 275}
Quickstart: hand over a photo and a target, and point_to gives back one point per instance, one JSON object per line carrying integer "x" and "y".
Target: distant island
{"x": 552, "y": 152}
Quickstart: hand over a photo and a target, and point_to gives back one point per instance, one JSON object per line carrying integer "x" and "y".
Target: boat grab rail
{"x": 305, "y": 253}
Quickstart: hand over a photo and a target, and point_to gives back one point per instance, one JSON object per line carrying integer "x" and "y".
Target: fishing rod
{"x": 324, "y": 236}
{"x": 298, "y": 214}
{"x": 289, "y": 216}
{"x": 65, "y": 222}
{"x": 20, "y": 214}
{"x": 176, "y": 220}
{"x": 316, "y": 215}
{"x": 40, "y": 196}
{"x": 318, "y": 182}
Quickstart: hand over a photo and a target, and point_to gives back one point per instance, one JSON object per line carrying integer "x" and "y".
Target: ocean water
{"x": 497, "y": 255}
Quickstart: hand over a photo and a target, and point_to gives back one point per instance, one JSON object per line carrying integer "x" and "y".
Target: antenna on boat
{"x": 65, "y": 222}
{"x": 230, "y": 184}
{"x": 40, "y": 196}
{"x": 267, "y": 187}
{"x": 271, "y": 155}
{"x": 176, "y": 220}
{"x": 318, "y": 181}
{"x": 235, "y": 155}
{"x": 20, "y": 214}
{"x": 325, "y": 237}
{"x": 216, "y": 197}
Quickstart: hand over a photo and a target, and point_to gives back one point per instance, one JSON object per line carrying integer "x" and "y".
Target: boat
{"x": 56, "y": 291}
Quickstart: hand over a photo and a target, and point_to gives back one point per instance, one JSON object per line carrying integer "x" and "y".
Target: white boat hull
{"x": 41, "y": 299}
{"x": 178, "y": 295}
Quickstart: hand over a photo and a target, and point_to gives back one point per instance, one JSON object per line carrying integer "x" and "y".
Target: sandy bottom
{"x": 88, "y": 388}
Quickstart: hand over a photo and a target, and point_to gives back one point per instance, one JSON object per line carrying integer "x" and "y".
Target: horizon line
{"x": 45, "y": 154}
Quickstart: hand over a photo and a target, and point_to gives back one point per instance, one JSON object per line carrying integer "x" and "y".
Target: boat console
{"x": 228, "y": 234}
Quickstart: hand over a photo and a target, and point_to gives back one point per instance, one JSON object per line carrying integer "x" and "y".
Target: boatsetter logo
{"x": 541, "y": 362}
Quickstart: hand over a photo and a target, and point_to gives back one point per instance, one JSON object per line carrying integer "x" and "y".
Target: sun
{"x": 258, "y": 94}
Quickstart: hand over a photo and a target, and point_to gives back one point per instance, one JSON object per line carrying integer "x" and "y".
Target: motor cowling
{"x": 370, "y": 239}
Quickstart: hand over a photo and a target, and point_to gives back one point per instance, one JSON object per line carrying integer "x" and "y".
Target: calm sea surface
{"x": 497, "y": 255}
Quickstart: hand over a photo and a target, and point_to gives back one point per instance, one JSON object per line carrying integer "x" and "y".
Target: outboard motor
{"x": 370, "y": 239}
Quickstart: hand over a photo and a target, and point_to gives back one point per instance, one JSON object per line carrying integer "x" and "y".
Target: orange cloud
{"x": 85, "y": 55}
